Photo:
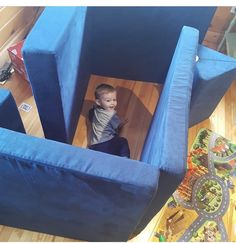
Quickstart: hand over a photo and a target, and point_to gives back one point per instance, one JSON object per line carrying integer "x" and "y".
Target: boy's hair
{"x": 103, "y": 89}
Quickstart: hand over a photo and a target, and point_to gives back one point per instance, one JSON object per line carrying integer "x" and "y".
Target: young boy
{"x": 106, "y": 123}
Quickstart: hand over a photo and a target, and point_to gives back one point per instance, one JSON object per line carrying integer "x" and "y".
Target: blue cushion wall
{"x": 214, "y": 74}
{"x": 46, "y": 90}
{"x": 73, "y": 69}
{"x": 69, "y": 191}
{"x": 57, "y": 68}
{"x": 137, "y": 43}
{"x": 81, "y": 42}
{"x": 166, "y": 144}
{"x": 9, "y": 114}
{"x": 169, "y": 127}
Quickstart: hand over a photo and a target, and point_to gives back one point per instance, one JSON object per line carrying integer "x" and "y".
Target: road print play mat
{"x": 203, "y": 208}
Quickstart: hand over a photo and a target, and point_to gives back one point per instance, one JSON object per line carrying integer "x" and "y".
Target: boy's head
{"x": 105, "y": 96}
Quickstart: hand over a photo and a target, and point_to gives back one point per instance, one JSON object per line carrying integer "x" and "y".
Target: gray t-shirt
{"x": 104, "y": 125}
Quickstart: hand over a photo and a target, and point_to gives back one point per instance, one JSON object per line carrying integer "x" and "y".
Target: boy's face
{"x": 107, "y": 101}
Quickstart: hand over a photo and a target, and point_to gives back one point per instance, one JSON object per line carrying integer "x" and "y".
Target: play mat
{"x": 203, "y": 208}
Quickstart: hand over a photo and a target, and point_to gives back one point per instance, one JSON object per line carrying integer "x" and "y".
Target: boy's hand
{"x": 122, "y": 124}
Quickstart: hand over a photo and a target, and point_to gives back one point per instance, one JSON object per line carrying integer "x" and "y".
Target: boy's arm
{"x": 91, "y": 114}
{"x": 122, "y": 123}
{"x": 117, "y": 123}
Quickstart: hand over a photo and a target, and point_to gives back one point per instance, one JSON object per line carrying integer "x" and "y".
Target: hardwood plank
{"x": 221, "y": 19}
{"x": 214, "y": 37}
{"x": 16, "y": 234}
{"x": 21, "y": 18}
{"x": 6, "y": 13}
{"x": 211, "y": 45}
{"x": 19, "y": 35}
{"x": 217, "y": 28}
{"x": 6, "y": 233}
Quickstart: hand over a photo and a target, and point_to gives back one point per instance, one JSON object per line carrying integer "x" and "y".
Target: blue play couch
{"x": 60, "y": 189}
{"x": 49, "y": 186}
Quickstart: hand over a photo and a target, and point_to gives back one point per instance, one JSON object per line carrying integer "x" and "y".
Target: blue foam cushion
{"x": 68, "y": 43}
{"x": 214, "y": 74}
{"x": 9, "y": 114}
{"x": 169, "y": 127}
{"x": 167, "y": 140}
{"x": 56, "y": 60}
{"x": 65, "y": 190}
{"x": 79, "y": 193}
{"x": 137, "y": 43}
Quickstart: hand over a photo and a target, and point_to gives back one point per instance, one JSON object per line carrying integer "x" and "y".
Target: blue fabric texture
{"x": 214, "y": 74}
{"x": 130, "y": 42}
{"x": 9, "y": 114}
{"x": 56, "y": 59}
{"x": 167, "y": 140}
{"x": 79, "y": 193}
{"x": 116, "y": 146}
{"x": 59, "y": 189}
{"x": 68, "y": 43}
{"x": 65, "y": 190}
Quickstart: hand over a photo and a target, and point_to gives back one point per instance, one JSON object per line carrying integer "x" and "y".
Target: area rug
{"x": 203, "y": 208}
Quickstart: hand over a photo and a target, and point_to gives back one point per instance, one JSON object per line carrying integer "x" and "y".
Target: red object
{"x": 17, "y": 59}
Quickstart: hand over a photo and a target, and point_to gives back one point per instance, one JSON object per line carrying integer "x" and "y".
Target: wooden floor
{"x": 136, "y": 101}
